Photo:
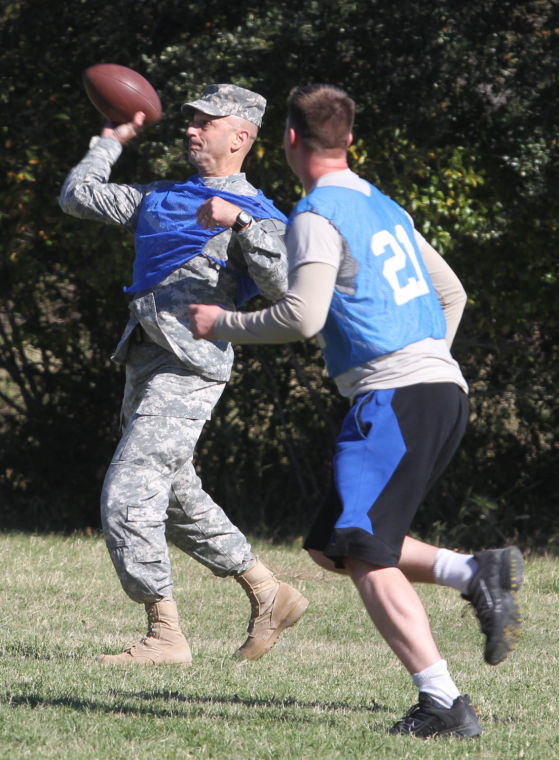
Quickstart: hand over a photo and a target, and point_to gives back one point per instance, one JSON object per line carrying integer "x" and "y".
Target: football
{"x": 118, "y": 92}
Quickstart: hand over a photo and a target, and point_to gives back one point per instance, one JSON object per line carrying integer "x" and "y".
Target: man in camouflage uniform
{"x": 213, "y": 238}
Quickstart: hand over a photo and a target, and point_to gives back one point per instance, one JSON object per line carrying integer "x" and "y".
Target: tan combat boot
{"x": 275, "y": 606}
{"x": 164, "y": 643}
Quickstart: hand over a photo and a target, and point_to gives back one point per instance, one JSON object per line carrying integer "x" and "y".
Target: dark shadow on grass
{"x": 149, "y": 708}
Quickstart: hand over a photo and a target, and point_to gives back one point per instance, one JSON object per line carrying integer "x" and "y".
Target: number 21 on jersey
{"x": 402, "y": 251}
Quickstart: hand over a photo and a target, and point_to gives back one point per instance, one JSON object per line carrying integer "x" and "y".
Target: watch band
{"x": 243, "y": 220}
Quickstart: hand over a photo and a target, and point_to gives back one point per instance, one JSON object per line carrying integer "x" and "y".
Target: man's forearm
{"x": 87, "y": 194}
{"x": 448, "y": 287}
{"x": 263, "y": 248}
{"x": 299, "y": 315}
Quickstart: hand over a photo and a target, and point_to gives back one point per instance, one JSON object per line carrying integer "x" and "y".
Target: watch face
{"x": 243, "y": 218}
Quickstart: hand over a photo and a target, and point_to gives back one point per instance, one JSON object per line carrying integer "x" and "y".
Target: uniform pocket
{"x": 363, "y": 425}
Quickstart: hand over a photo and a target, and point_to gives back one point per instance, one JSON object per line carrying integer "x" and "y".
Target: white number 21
{"x": 402, "y": 250}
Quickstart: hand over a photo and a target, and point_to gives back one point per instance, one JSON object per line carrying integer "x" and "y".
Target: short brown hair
{"x": 322, "y": 115}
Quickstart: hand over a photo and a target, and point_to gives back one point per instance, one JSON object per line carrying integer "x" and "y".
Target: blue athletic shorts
{"x": 393, "y": 446}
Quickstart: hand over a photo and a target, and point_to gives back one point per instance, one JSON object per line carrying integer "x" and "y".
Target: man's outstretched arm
{"x": 299, "y": 315}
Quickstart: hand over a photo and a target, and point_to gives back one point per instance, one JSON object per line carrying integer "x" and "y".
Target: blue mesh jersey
{"x": 168, "y": 234}
{"x": 392, "y": 302}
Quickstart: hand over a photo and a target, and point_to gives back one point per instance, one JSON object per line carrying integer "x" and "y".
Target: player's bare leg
{"x": 325, "y": 562}
{"x": 489, "y": 580}
{"x": 417, "y": 560}
{"x": 397, "y": 612}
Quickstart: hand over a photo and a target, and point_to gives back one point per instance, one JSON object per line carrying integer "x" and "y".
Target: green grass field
{"x": 330, "y": 688}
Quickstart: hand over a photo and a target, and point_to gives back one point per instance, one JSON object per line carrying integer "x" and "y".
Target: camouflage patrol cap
{"x": 230, "y": 100}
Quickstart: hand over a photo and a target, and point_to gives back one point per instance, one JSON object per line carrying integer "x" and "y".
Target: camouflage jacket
{"x": 161, "y": 311}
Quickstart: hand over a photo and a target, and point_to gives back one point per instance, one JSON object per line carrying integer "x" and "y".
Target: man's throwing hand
{"x": 202, "y": 318}
{"x": 124, "y": 132}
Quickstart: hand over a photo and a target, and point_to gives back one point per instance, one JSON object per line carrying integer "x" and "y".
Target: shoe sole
{"x": 295, "y": 613}
{"x": 511, "y": 579}
{"x": 137, "y": 662}
{"x": 126, "y": 658}
{"x": 466, "y": 731}
{"x": 462, "y": 732}
{"x": 512, "y": 574}
{"x": 412, "y": 725}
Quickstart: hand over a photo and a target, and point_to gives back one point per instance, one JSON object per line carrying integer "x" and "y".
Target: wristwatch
{"x": 242, "y": 221}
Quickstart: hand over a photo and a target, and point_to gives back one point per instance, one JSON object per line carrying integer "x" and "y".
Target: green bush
{"x": 457, "y": 115}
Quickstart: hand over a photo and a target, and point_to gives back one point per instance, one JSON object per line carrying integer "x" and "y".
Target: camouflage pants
{"x": 152, "y": 492}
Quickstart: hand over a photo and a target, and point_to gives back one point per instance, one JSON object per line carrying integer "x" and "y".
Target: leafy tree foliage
{"x": 457, "y": 120}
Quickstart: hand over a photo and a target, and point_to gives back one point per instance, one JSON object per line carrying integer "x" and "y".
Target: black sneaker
{"x": 426, "y": 719}
{"x": 492, "y": 593}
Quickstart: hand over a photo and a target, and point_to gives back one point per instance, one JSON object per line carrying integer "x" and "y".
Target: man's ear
{"x": 349, "y": 139}
{"x": 241, "y": 138}
{"x": 292, "y": 137}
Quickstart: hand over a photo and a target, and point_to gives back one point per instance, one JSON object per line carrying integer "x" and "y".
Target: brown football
{"x": 118, "y": 92}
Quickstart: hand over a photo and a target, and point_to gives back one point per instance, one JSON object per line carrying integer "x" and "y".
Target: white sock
{"x": 454, "y": 569}
{"x": 436, "y": 681}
